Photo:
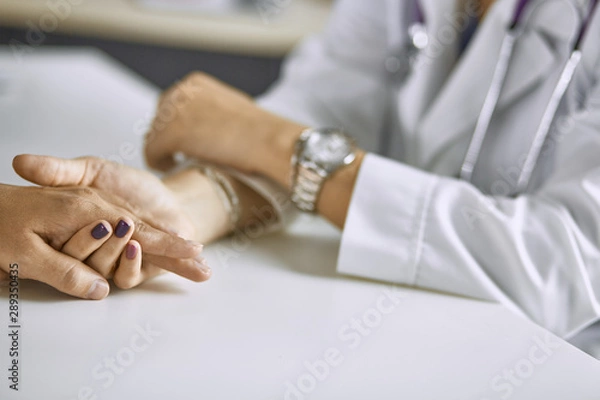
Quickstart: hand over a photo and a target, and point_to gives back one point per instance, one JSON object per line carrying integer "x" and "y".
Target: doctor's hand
{"x": 206, "y": 119}
{"x": 211, "y": 121}
{"x": 36, "y": 223}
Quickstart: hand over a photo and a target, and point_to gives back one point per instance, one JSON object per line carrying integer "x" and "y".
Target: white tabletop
{"x": 275, "y": 311}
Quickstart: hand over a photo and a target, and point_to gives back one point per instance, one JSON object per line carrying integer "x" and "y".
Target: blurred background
{"x": 241, "y": 42}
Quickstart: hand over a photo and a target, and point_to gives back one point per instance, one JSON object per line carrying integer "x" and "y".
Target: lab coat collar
{"x": 537, "y": 52}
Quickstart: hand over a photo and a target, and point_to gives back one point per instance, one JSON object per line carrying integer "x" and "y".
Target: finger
{"x": 105, "y": 258}
{"x": 148, "y": 271}
{"x": 129, "y": 273}
{"x": 53, "y": 171}
{"x": 84, "y": 171}
{"x": 132, "y": 270}
{"x": 196, "y": 269}
{"x": 66, "y": 274}
{"x": 87, "y": 240}
{"x": 163, "y": 244}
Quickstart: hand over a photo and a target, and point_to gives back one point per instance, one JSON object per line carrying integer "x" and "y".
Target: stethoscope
{"x": 417, "y": 42}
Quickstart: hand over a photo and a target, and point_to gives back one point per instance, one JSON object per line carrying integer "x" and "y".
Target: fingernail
{"x": 203, "y": 265}
{"x": 131, "y": 251}
{"x": 122, "y": 229}
{"x": 99, "y": 231}
{"x": 196, "y": 245}
{"x": 99, "y": 290}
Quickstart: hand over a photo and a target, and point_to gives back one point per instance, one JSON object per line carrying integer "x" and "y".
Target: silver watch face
{"x": 328, "y": 149}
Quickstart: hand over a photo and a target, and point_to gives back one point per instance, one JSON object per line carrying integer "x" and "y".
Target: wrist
{"x": 198, "y": 199}
{"x": 324, "y": 158}
{"x": 274, "y": 161}
{"x": 335, "y": 197}
{"x": 197, "y": 194}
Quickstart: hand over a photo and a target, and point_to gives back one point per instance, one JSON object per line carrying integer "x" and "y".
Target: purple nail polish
{"x": 121, "y": 229}
{"x": 131, "y": 251}
{"x": 99, "y": 231}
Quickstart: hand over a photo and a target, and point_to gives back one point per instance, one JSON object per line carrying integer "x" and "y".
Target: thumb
{"x": 67, "y": 274}
{"x": 53, "y": 171}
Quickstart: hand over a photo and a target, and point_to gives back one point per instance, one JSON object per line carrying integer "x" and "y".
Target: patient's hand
{"x": 36, "y": 223}
{"x": 140, "y": 192}
{"x": 111, "y": 252}
{"x": 143, "y": 194}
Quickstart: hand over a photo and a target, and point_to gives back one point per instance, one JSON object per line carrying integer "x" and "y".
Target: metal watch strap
{"x": 306, "y": 187}
{"x": 296, "y": 156}
{"x": 307, "y": 174}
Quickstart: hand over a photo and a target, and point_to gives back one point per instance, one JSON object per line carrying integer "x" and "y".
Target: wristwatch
{"x": 318, "y": 154}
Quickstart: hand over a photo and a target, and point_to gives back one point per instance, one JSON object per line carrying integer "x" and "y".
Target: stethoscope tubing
{"x": 489, "y": 106}
{"x": 493, "y": 95}
{"x": 545, "y": 125}
{"x": 514, "y": 30}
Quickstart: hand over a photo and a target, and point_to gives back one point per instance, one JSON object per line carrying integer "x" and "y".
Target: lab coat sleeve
{"x": 539, "y": 254}
{"x": 337, "y": 78}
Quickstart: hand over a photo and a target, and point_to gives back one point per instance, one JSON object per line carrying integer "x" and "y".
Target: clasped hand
{"x": 91, "y": 221}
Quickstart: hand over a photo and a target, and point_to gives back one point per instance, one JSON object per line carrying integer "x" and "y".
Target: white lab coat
{"x": 411, "y": 221}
